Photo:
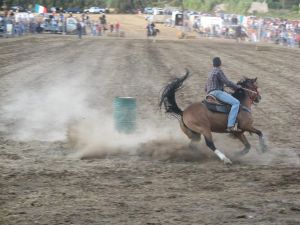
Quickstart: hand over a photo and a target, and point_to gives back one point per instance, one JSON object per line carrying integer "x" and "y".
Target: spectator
{"x": 103, "y": 22}
{"x": 117, "y": 27}
{"x": 94, "y": 29}
{"x": 97, "y": 29}
{"x": 79, "y": 29}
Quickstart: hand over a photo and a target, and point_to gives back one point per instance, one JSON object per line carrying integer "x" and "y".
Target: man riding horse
{"x": 215, "y": 87}
{"x": 151, "y": 29}
{"x": 203, "y": 118}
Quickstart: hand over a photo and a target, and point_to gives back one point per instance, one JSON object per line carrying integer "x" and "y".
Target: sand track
{"x": 51, "y": 82}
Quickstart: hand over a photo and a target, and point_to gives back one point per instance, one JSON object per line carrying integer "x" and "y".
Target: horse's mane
{"x": 240, "y": 94}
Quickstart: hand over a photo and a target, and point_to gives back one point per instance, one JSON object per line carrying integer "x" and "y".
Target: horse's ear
{"x": 244, "y": 80}
{"x": 255, "y": 79}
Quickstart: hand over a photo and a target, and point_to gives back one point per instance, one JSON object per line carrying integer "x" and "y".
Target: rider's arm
{"x": 226, "y": 81}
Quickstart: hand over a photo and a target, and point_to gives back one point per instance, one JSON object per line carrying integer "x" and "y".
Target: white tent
{"x": 209, "y": 21}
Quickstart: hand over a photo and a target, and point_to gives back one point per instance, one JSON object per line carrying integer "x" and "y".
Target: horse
{"x": 240, "y": 34}
{"x": 211, "y": 115}
{"x": 152, "y": 31}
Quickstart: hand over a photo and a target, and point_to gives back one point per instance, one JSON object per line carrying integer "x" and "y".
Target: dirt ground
{"x": 62, "y": 162}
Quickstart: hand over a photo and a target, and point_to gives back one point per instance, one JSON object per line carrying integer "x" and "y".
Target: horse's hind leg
{"x": 243, "y": 139}
{"x": 193, "y": 136}
{"x": 209, "y": 142}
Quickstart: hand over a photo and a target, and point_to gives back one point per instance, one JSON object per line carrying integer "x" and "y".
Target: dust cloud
{"x": 62, "y": 111}
{"x": 273, "y": 156}
{"x": 43, "y": 114}
{"x": 95, "y": 138}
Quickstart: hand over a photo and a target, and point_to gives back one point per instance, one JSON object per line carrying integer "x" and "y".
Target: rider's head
{"x": 217, "y": 62}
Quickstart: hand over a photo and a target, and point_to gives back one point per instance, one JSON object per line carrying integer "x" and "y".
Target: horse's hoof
{"x": 263, "y": 145}
{"x": 242, "y": 153}
{"x": 264, "y": 149}
{"x": 227, "y": 161}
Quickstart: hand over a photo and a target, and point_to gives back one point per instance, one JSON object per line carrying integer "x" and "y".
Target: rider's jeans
{"x": 227, "y": 98}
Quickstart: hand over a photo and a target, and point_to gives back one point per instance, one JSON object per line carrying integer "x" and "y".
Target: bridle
{"x": 252, "y": 93}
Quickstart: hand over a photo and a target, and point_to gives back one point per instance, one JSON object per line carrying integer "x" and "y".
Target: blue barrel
{"x": 125, "y": 114}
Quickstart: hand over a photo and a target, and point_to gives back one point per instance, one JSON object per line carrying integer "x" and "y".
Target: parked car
{"x": 158, "y": 11}
{"x": 71, "y": 25}
{"x": 52, "y": 28}
{"x": 95, "y": 10}
{"x": 73, "y": 10}
{"x": 17, "y": 9}
{"x": 148, "y": 10}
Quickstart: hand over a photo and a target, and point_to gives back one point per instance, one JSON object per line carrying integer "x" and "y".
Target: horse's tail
{"x": 168, "y": 95}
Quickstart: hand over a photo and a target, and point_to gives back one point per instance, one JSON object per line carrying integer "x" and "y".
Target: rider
{"x": 151, "y": 27}
{"x": 215, "y": 86}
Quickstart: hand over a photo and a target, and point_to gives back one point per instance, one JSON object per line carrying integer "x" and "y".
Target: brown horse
{"x": 205, "y": 117}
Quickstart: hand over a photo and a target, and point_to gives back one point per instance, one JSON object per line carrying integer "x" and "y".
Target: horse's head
{"x": 251, "y": 86}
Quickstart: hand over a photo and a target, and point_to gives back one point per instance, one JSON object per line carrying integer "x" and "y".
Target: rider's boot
{"x": 235, "y": 128}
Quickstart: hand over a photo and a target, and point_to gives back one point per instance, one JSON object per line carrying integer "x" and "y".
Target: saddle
{"x": 215, "y": 105}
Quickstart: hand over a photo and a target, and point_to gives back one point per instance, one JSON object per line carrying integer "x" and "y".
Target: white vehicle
{"x": 158, "y": 11}
{"x": 148, "y": 10}
{"x": 209, "y": 21}
{"x": 177, "y": 18}
{"x": 194, "y": 19}
{"x": 94, "y": 10}
{"x": 71, "y": 25}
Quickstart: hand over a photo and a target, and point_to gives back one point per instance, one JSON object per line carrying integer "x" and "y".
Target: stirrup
{"x": 233, "y": 129}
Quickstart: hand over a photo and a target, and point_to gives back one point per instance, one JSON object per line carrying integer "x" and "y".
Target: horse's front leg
{"x": 243, "y": 139}
{"x": 262, "y": 141}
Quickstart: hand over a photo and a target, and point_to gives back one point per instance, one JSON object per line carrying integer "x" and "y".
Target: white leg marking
{"x": 222, "y": 157}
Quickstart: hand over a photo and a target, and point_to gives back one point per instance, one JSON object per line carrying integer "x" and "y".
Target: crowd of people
{"x": 12, "y": 24}
{"x": 98, "y": 28}
{"x": 249, "y": 28}
{"x": 17, "y": 24}
{"x": 253, "y": 29}
{"x": 278, "y": 31}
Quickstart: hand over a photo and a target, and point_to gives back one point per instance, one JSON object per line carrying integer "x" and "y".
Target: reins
{"x": 253, "y": 92}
